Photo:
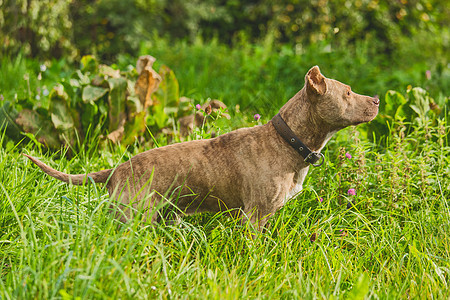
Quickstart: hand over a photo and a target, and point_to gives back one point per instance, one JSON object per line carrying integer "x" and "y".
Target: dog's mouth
{"x": 372, "y": 111}
{"x": 368, "y": 115}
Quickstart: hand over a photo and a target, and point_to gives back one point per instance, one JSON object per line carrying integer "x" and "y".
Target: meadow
{"x": 389, "y": 240}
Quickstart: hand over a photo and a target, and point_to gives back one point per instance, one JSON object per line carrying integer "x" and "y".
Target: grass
{"x": 59, "y": 241}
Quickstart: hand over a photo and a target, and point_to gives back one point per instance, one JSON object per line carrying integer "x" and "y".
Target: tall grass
{"x": 390, "y": 240}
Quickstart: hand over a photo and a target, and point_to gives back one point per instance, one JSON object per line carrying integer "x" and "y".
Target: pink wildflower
{"x": 198, "y": 106}
{"x": 428, "y": 74}
{"x": 348, "y": 155}
{"x": 257, "y": 117}
{"x": 351, "y": 192}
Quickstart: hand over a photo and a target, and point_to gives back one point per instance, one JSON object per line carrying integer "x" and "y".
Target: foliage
{"x": 116, "y": 26}
{"x": 415, "y": 106}
{"x": 27, "y": 26}
{"x": 392, "y": 241}
{"x": 108, "y": 27}
{"x": 302, "y": 22}
{"x": 99, "y": 98}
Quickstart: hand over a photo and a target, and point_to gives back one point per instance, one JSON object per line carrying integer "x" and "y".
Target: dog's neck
{"x": 299, "y": 116}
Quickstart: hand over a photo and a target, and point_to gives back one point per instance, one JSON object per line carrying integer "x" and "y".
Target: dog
{"x": 252, "y": 171}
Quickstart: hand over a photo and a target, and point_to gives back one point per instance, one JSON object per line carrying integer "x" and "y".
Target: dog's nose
{"x": 376, "y": 101}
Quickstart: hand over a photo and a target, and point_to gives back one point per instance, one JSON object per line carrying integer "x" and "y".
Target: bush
{"x": 107, "y": 28}
{"x": 135, "y": 104}
{"x": 32, "y": 28}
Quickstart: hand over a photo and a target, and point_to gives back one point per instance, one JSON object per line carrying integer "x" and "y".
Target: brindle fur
{"x": 250, "y": 169}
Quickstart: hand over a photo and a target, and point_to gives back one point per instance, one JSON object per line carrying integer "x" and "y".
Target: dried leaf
{"x": 143, "y": 62}
{"x": 208, "y": 110}
{"x": 217, "y": 104}
{"x": 116, "y": 135}
{"x": 147, "y": 82}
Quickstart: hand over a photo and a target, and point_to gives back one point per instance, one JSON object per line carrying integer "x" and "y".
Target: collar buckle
{"x": 313, "y": 157}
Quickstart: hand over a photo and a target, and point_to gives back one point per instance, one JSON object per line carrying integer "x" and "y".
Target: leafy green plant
{"x": 414, "y": 106}
{"x": 120, "y": 104}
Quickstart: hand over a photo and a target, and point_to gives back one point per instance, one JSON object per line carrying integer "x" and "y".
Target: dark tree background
{"x": 71, "y": 28}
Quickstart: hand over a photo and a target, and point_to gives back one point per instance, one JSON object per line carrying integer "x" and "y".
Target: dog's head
{"x": 335, "y": 103}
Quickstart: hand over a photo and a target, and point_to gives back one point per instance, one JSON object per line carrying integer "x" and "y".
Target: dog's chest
{"x": 294, "y": 191}
{"x": 297, "y": 185}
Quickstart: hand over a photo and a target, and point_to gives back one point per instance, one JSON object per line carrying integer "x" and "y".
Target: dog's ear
{"x": 315, "y": 81}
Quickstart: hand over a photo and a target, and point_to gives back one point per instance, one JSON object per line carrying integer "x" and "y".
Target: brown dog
{"x": 254, "y": 170}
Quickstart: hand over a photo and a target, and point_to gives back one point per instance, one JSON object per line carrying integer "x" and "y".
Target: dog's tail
{"x": 79, "y": 179}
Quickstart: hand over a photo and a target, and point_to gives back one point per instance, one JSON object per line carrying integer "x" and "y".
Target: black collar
{"x": 290, "y": 137}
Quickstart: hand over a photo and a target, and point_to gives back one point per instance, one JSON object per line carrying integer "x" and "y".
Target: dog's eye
{"x": 348, "y": 93}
